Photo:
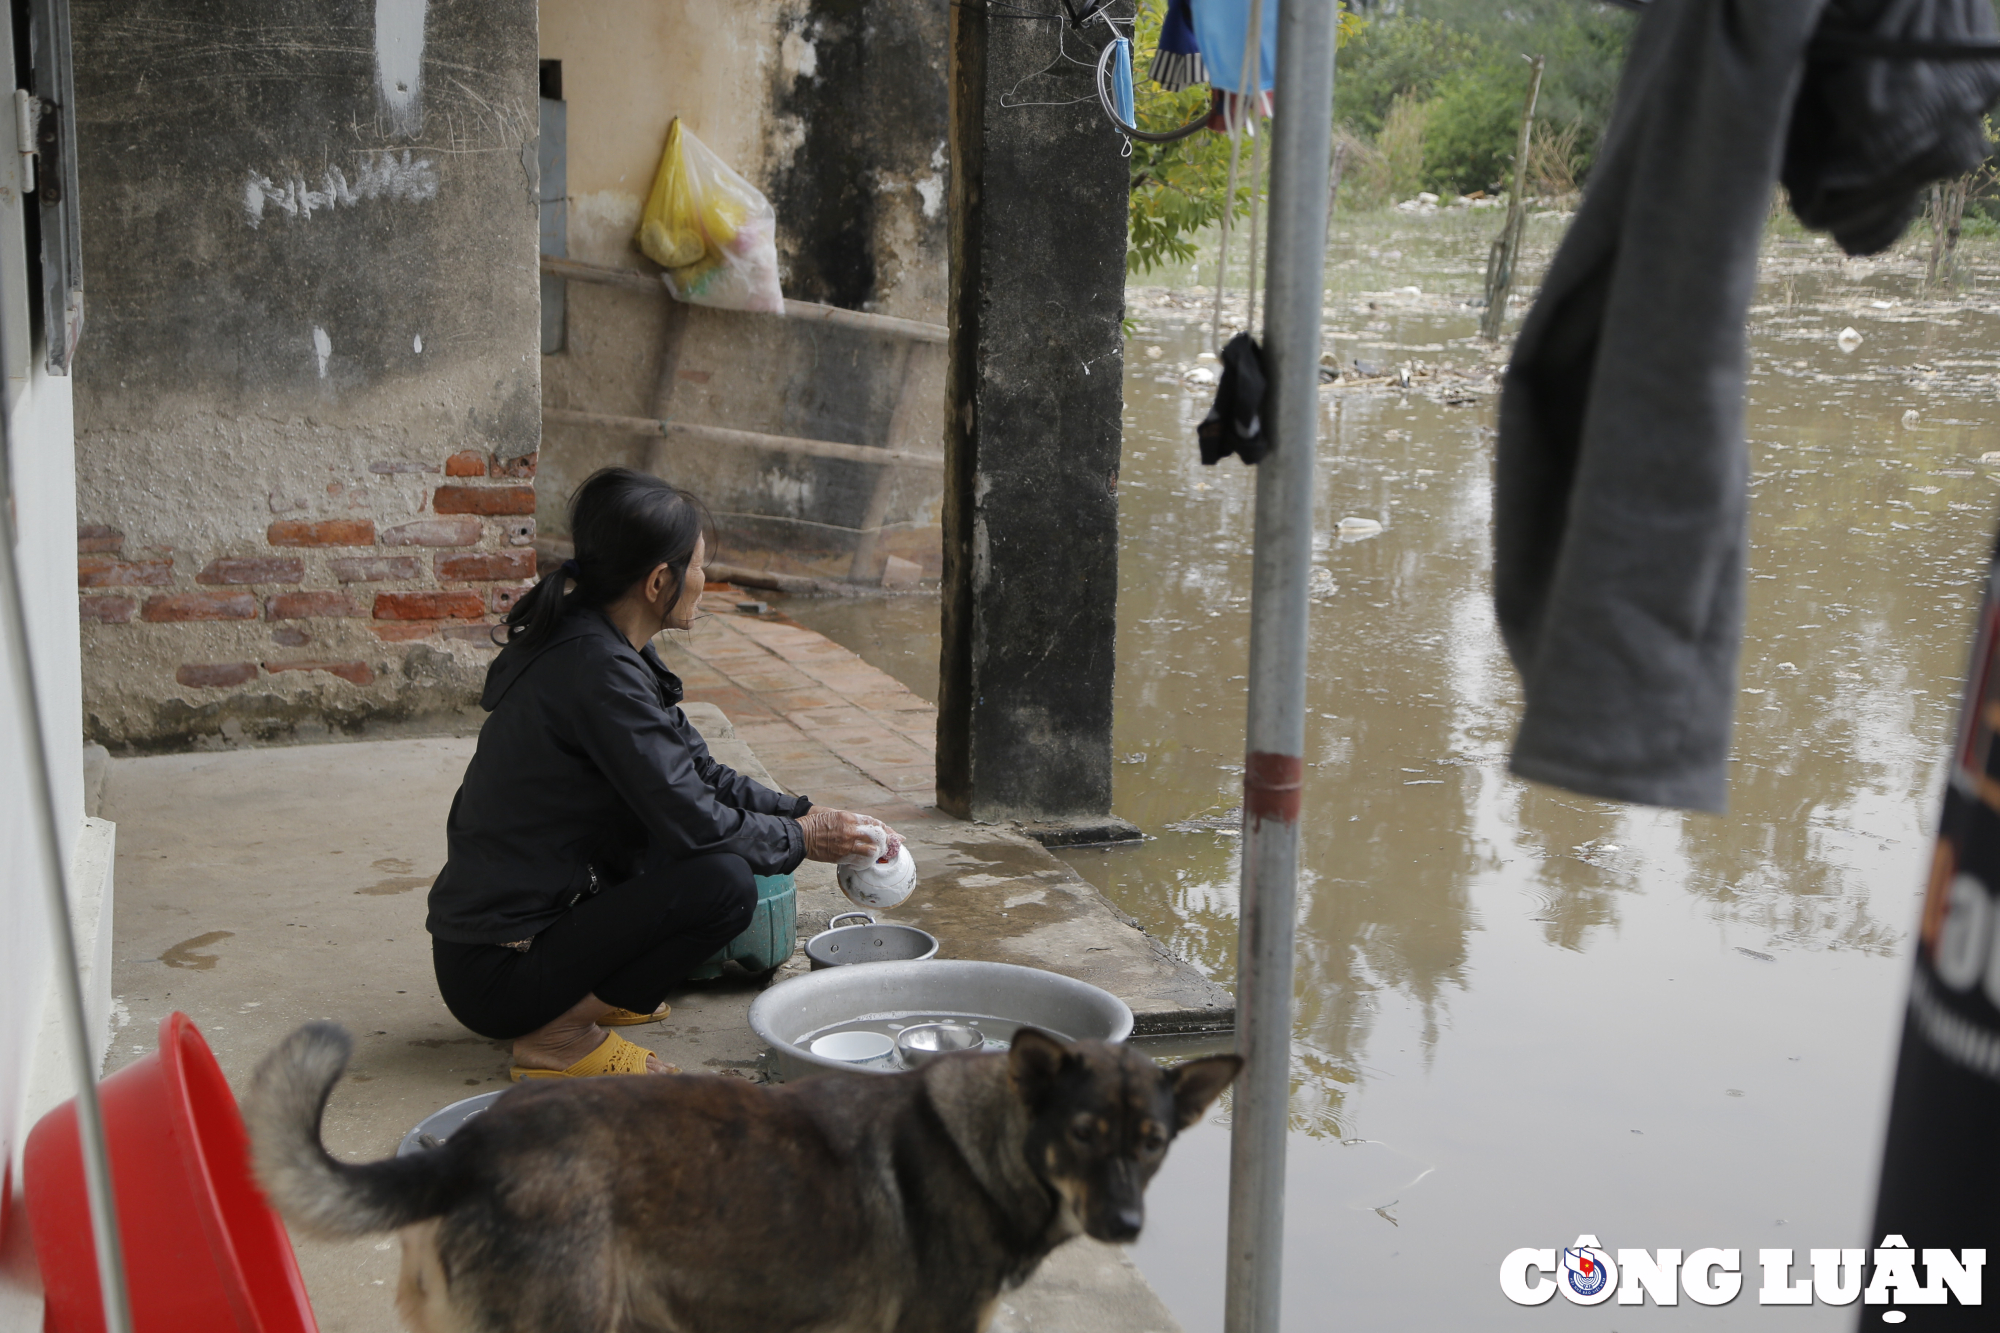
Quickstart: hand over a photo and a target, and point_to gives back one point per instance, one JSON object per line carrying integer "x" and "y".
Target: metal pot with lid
{"x": 868, "y": 942}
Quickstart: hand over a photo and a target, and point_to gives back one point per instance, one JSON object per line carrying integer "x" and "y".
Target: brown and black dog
{"x": 850, "y": 1203}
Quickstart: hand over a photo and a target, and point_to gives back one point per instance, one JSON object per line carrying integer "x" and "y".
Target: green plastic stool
{"x": 770, "y": 937}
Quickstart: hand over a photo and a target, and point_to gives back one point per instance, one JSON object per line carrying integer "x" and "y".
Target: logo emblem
{"x": 1588, "y": 1275}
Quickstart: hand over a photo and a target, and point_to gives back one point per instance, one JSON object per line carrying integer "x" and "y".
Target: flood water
{"x": 1524, "y": 1015}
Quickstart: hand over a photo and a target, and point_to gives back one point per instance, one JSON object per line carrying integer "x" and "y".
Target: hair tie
{"x": 572, "y": 570}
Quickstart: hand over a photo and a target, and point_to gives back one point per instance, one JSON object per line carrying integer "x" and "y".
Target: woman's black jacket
{"x": 586, "y": 767}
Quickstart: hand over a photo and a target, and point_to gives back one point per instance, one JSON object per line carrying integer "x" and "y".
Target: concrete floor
{"x": 259, "y": 889}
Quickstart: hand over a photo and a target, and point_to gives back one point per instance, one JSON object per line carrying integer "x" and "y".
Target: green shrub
{"x": 1474, "y": 127}
{"x": 1395, "y": 58}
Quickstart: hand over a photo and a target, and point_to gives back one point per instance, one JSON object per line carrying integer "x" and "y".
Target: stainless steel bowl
{"x": 914, "y": 1045}
{"x": 435, "y": 1128}
{"x": 868, "y": 943}
{"x": 940, "y": 988}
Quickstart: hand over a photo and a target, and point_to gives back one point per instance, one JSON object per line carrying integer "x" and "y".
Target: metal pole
{"x": 55, "y": 874}
{"x": 1273, "y": 764}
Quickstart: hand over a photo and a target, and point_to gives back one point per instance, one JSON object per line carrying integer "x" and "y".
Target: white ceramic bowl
{"x": 878, "y": 884}
{"x": 874, "y": 1049}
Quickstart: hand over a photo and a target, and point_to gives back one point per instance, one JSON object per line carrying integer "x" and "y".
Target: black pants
{"x": 628, "y": 945}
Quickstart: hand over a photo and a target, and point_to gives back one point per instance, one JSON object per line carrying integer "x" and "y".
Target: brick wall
{"x": 412, "y": 560}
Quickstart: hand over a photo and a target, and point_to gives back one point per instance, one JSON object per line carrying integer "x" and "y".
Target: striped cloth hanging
{"x": 1177, "y": 64}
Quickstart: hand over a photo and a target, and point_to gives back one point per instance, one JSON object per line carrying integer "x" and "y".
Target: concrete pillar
{"x": 1034, "y": 398}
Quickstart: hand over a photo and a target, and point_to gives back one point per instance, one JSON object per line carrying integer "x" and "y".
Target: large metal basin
{"x": 792, "y": 1009}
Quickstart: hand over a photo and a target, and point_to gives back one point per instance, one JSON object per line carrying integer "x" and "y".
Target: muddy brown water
{"x": 1524, "y": 1015}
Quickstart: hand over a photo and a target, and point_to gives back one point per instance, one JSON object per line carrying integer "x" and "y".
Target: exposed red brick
{"x": 484, "y": 500}
{"x": 695, "y": 376}
{"x": 290, "y": 636}
{"x": 253, "y": 569}
{"x": 172, "y": 606}
{"x": 429, "y": 606}
{"x": 402, "y": 631}
{"x": 518, "y": 563}
{"x": 434, "y": 532}
{"x": 97, "y": 537}
{"x": 326, "y": 532}
{"x": 479, "y": 634}
{"x": 107, "y": 610}
{"x": 215, "y": 675}
{"x": 465, "y": 464}
{"x": 108, "y": 571}
{"x": 360, "y": 673}
{"x": 304, "y": 605}
{"x": 375, "y": 568}
{"x": 524, "y": 466}
{"x": 502, "y": 599}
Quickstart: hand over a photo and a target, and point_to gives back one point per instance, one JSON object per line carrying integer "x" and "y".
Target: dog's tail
{"x": 312, "y": 1189}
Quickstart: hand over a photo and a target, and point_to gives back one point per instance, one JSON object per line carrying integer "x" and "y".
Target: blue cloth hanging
{"x": 1121, "y": 80}
{"x": 1177, "y": 64}
{"x": 1219, "y": 26}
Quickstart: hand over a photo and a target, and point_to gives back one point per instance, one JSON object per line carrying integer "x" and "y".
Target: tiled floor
{"x": 823, "y": 721}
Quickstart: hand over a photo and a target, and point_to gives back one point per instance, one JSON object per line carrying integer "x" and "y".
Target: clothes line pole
{"x": 55, "y": 875}
{"x": 1273, "y": 762}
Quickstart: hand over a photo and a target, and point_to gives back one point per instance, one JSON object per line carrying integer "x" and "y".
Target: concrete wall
{"x": 836, "y": 110}
{"x": 308, "y": 387}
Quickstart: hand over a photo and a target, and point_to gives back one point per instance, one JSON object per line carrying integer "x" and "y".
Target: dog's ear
{"x": 1033, "y": 1062}
{"x": 1199, "y": 1082}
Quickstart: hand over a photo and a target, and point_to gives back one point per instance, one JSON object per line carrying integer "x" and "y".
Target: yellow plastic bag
{"x": 713, "y": 231}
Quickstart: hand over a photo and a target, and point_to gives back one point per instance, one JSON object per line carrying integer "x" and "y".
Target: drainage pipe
{"x": 1273, "y": 764}
{"x": 55, "y": 876}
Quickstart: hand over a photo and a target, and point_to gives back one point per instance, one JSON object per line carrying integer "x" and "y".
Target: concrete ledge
{"x": 1087, "y": 831}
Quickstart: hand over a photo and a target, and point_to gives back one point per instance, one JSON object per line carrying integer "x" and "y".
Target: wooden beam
{"x": 741, "y": 439}
{"x": 632, "y": 280}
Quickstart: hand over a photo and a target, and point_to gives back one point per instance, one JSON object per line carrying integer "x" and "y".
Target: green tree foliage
{"x": 1178, "y": 188}
{"x": 1474, "y": 128}
{"x": 1397, "y": 57}
{"x": 1462, "y": 58}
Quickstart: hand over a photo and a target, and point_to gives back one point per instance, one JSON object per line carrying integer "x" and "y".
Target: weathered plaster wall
{"x": 836, "y": 110}
{"x": 308, "y": 391}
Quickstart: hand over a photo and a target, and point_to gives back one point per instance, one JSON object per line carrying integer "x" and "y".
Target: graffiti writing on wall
{"x": 387, "y": 175}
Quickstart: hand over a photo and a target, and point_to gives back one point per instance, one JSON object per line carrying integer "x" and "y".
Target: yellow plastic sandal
{"x": 614, "y": 1055}
{"x": 625, "y": 1018}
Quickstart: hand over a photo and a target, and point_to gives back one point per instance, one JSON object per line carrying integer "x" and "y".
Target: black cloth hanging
{"x": 1619, "y": 494}
{"x": 1235, "y": 424}
{"x": 1871, "y": 130}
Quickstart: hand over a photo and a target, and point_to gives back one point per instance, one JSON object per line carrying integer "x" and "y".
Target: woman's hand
{"x": 834, "y": 834}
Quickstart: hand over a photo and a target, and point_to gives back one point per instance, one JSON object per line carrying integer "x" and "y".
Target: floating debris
{"x": 1229, "y": 822}
{"x": 1848, "y": 339}
{"x": 1354, "y": 529}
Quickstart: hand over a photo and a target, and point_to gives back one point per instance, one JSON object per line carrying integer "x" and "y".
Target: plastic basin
{"x": 204, "y": 1252}
{"x": 770, "y": 937}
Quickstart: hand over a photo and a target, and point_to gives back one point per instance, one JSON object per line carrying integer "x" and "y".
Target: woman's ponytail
{"x": 538, "y": 611}
{"x": 624, "y": 524}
